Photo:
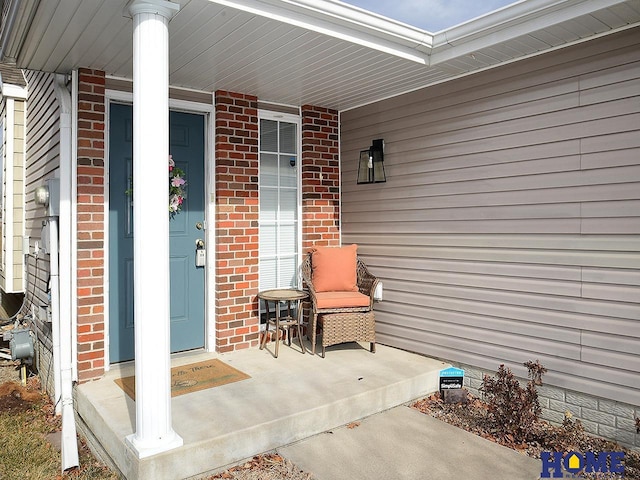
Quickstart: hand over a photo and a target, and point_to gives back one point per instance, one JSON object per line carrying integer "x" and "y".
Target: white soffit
{"x": 346, "y": 22}
{"x": 531, "y": 23}
{"x": 295, "y": 52}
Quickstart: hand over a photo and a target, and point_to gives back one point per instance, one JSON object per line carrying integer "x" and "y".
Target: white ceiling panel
{"x": 533, "y": 43}
{"x": 628, "y": 12}
{"x": 564, "y": 33}
{"x": 37, "y": 31}
{"x": 63, "y": 37}
{"x": 576, "y": 28}
{"x": 547, "y": 37}
{"x": 78, "y": 40}
{"x": 610, "y": 18}
{"x": 339, "y": 62}
{"x": 592, "y": 24}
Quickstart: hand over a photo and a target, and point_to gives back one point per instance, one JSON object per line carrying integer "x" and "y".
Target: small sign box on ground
{"x": 451, "y": 379}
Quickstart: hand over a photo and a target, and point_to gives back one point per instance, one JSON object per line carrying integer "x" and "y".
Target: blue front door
{"x": 187, "y": 280}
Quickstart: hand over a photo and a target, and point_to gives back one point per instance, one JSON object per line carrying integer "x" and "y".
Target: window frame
{"x": 297, "y": 120}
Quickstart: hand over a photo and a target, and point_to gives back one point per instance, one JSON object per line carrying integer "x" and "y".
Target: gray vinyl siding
{"x": 43, "y": 159}
{"x": 509, "y": 226}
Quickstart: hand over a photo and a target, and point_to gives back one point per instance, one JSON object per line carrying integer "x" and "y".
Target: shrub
{"x": 513, "y": 410}
{"x": 570, "y": 436}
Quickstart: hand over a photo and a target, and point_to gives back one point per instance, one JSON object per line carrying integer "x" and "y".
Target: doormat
{"x": 192, "y": 378}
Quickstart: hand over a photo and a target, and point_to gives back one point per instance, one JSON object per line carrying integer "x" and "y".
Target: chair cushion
{"x": 334, "y": 269}
{"x": 341, "y": 300}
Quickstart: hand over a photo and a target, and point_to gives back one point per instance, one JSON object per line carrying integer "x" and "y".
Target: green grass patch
{"x": 26, "y": 419}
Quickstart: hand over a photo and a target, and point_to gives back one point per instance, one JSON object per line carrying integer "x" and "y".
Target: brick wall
{"x": 90, "y": 175}
{"x": 237, "y": 205}
{"x": 236, "y": 146}
{"x": 599, "y": 416}
{"x": 237, "y": 208}
{"x": 320, "y": 177}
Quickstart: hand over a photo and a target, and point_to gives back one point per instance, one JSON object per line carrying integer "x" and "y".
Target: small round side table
{"x": 287, "y": 321}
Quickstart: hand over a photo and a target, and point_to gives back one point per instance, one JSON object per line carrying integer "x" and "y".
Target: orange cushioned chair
{"x": 341, "y": 292}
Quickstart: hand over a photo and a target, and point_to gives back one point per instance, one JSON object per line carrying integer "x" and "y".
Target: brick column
{"x": 320, "y": 177}
{"x": 90, "y": 176}
{"x": 236, "y": 147}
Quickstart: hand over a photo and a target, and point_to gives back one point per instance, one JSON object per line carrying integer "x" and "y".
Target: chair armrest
{"x": 305, "y": 270}
{"x": 367, "y": 282}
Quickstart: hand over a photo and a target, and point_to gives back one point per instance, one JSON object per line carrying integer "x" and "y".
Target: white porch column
{"x": 154, "y": 432}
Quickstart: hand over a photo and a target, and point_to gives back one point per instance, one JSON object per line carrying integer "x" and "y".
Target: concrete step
{"x": 287, "y": 399}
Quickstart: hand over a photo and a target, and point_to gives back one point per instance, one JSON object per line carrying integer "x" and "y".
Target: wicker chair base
{"x": 348, "y": 327}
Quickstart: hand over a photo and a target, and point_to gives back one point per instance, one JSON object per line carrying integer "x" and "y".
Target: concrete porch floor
{"x": 287, "y": 399}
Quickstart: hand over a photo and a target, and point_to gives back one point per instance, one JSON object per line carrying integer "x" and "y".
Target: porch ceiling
{"x": 319, "y": 52}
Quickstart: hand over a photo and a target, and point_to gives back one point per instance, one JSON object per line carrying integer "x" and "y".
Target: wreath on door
{"x": 177, "y": 188}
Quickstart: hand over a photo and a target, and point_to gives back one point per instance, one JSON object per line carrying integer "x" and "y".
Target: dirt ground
{"x": 14, "y": 396}
{"x": 9, "y": 371}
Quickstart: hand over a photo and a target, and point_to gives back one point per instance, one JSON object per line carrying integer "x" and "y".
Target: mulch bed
{"x": 265, "y": 467}
{"x": 472, "y": 415}
{"x": 15, "y": 397}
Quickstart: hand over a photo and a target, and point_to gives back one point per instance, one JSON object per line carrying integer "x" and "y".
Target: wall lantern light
{"x": 371, "y": 165}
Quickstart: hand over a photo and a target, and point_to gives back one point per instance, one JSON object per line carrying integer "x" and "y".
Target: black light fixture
{"x": 371, "y": 165}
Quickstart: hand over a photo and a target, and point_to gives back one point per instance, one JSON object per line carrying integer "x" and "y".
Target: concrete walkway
{"x": 286, "y": 399}
{"x": 299, "y": 405}
{"x": 402, "y": 443}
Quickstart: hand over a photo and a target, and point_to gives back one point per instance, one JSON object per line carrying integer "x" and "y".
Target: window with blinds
{"x": 279, "y": 222}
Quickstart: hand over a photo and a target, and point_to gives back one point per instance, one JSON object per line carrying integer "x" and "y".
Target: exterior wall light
{"x": 371, "y": 165}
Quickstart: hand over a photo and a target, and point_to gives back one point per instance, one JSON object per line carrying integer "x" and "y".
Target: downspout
{"x": 61, "y": 290}
{"x": 73, "y": 227}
